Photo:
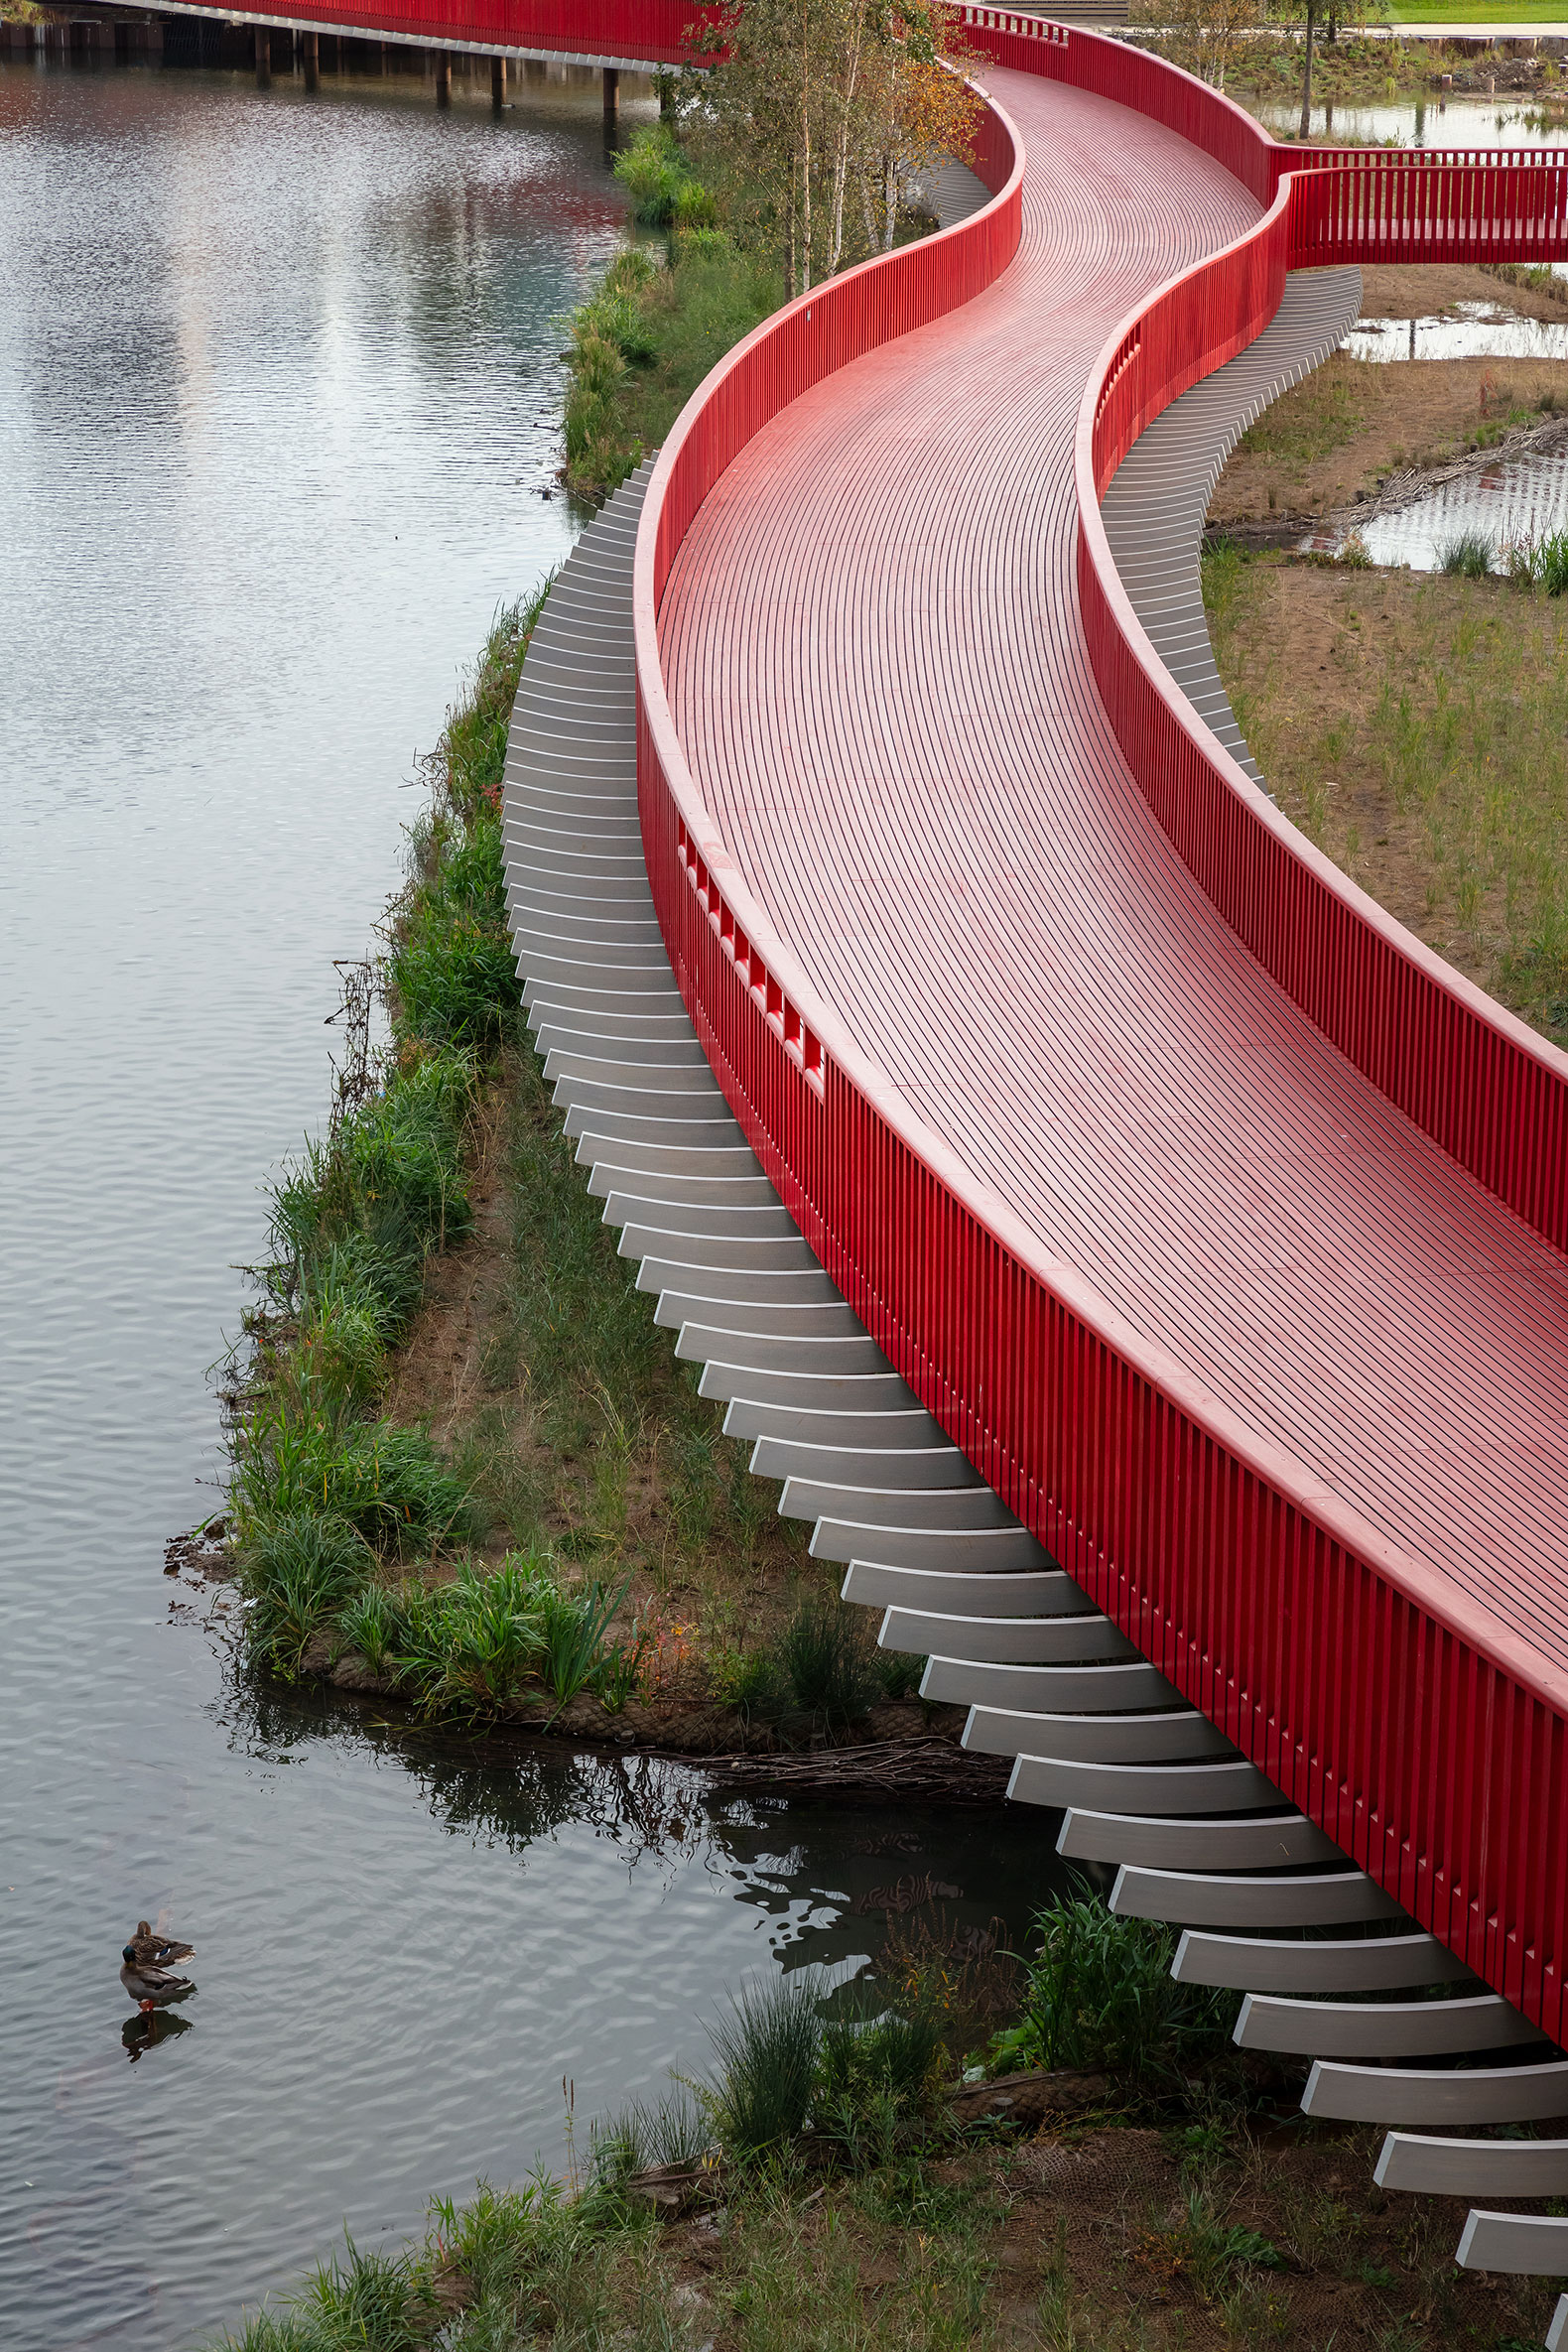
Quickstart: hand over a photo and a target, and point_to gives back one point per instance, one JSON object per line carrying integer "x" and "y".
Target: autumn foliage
{"x": 818, "y": 118}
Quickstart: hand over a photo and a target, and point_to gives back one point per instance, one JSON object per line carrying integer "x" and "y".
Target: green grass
{"x": 1100, "y": 1994}
{"x": 1477, "y": 12}
{"x": 1469, "y": 556}
{"x": 644, "y": 342}
{"x": 1318, "y": 416}
{"x": 1445, "y": 730}
{"x": 320, "y": 1479}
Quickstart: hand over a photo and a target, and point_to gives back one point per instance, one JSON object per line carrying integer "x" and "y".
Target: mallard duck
{"x": 157, "y": 1952}
{"x": 150, "y": 1987}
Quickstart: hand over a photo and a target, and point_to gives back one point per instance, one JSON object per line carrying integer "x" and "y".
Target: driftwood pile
{"x": 929, "y": 1769}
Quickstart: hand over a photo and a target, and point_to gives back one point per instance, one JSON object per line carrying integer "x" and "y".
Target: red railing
{"x": 651, "y": 32}
{"x": 1383, "y": 1701}
{"x": 1375, "y": 209}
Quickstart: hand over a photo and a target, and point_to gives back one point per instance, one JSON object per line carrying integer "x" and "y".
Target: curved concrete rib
{"x": 1154, "y": 508}
{"x": 1519, "y": 2242}
{"x": 1381, "y": 2030}
{"x": 1369, "y": 1964}
{"x": 1477, "y": 2169}
{"x": 1383, "y": 2095}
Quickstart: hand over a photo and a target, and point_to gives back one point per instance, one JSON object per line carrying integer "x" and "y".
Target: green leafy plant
{"x": 827, "y": 1662}
{"x": 571, "y": 1630}
{"x": 297, "y": 1573}
{"x": 1100, "y": 1993}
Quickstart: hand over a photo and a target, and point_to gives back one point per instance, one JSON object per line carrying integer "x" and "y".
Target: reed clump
{"x": 1100, "y": 1994}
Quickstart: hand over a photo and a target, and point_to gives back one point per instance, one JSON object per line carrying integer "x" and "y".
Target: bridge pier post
{"x": 312, "y": 46}
{"x": 497, "y": 84}
{"x": 263, "y": 56}
{"x": 612, "y": 78}
{"x": 443, "y": 77}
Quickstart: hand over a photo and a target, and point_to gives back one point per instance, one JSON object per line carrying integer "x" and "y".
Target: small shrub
{"x": 746, "y": 1680}
{"x": 766, "y": 2050}
{"x": 1354, "y": 553}
{"x": 1469, "y": 556}
{"x": 695, "y": 207}
{"x": 894, "y": 2057}
{"x": 698, "y": 244}
{"x": 826, "y": 1656}
{"x": 1101, "y": 1993}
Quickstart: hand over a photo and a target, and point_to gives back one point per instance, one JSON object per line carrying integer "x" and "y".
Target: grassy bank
{"x": 824, "y": 2182}
{"x": 467, "y": 1470}
{"x": 1415, "y": 727}
{"x": 664, "y": 314}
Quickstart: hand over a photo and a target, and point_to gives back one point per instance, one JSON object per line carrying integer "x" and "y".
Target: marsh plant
{"x": 475, "y": 1645}
{"x": 1100, "y": 1994}
{"x": 323, "y": 1486}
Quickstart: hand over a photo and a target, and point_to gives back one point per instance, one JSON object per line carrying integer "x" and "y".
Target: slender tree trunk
{"x": 805, "y": 133}
{"x": 1305, "y": 127}
{"x": 889, "y": 199}
{"x": 841, "y": 168}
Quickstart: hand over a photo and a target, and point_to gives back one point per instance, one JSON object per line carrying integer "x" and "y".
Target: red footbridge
{"x": 1143, "y": 1260}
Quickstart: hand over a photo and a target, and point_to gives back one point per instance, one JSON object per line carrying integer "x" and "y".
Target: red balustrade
{"x": 647, "y": 32}
{"x": 1433, "y": 1746}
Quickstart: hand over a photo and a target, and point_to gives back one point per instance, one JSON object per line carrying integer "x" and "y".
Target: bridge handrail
{"x": 1402, "y": 1707}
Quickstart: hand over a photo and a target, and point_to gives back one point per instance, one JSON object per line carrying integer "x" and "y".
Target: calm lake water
{"x": 277, "y": 383}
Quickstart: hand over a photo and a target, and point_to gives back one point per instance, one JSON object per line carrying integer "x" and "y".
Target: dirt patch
{"x": 1338, "y": 440}
{"x": 1413, "y": 725}
{"x": 438, "y": 1377}
{"x": 1112, "y": 2237}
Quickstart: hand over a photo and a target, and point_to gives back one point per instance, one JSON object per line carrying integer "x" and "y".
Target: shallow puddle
{"x": 1472, "y": 331}
{"x": 1506, "y": 505}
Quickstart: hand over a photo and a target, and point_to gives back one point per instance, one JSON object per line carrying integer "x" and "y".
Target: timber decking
{"x": 875, "y": 664}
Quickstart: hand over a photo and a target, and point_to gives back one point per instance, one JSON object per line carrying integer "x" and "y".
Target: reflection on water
{"x": 1475, "y": 331}
{"x": 1462, "y": 122}
{"x": 278, "y": 387}
{"x": 1509, "y": 505}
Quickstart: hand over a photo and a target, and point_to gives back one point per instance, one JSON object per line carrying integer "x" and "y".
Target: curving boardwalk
{"x": 877, "y": 673}
{"x": 878, "y": 944}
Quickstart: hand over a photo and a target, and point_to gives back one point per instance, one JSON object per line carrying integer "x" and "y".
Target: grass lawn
{"x": 1480, "y": 12}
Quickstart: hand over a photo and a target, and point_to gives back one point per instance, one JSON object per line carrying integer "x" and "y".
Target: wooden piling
{"x": 611, "y": 92}
{"x": 497, "y": 84}
{"x": 443, "y": 77}
{"x": 313, "y": 60}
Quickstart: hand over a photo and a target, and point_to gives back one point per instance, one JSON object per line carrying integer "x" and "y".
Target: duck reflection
{"x": 147, "y": 2031}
